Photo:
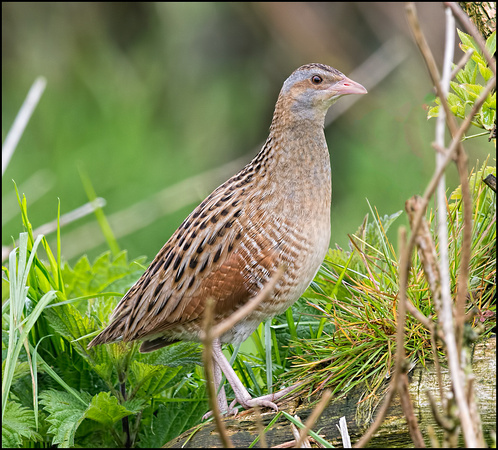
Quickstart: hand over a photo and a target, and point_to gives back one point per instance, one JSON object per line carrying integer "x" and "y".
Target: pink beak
{"x": 347, "y": 86}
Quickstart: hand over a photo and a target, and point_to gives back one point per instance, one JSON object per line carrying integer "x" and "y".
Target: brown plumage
{"x": 275, "y": 211}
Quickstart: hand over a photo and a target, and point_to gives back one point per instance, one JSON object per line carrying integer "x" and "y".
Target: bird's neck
{"x": 295, "y": 160}
{"x": 296, "y": 146}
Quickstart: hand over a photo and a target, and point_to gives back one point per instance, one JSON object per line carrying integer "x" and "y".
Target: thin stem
{"x": 207, "y": 357}
{"x": 21, "y": 120}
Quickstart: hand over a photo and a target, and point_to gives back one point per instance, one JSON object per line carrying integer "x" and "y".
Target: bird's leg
{"x": 241, "y": 395}
{"x": 222, "y": 397}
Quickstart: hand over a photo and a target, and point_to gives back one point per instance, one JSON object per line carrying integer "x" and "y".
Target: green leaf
{"x": 65, "y": 415}
{"x": 466, "y": 39}
{"x": 468, "y": 74}
{"x": 433, "y": 112}
{"x": 135, "y": 405}
{"x": 18, "y": 422}
{"x": 153, "y": 379}
{"x": 374, "y": 235}
{"x": 105, "y": 409}
{"x": 474, "y": 90}
{"x": 171, "y": 420}
{"x": 67, "y": 321}
{"x": 105, "y": 274}
{"x": 478, "y": 58}
{"x": 487, "y": 117}
{"x": 485, "y": 72}
{"x": 180, "y": 354}
{"x": 456, "y": 105}
{"x": 460, "y": 91}
{"x": 491, "y": 43}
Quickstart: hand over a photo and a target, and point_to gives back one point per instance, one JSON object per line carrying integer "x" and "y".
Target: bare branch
{"x": 207, "y": 357}
{"x": 314, "y": 416}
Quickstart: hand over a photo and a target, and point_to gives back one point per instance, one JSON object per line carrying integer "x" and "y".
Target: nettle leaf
{"x": 105, "y": 409}
{"x": 181, "y": 354}
{"x": 65, "y": 414}
{"x": 75, "y": 280}
{"x": 116, "y": 275}
{"x": 67, "y": 321}
{"x": 373, "y": 235}
{"x": 104, "y": 370}
{"x": 18, "y": 422}
{"x": 171, "y": 420}
{"x": 136, "y": 404}
{"x": 153, "y": 379}
{"x": 20, "y": 370}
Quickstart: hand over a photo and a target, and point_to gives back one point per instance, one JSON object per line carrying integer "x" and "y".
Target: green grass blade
{"x": 269, "y": 361}
{"x": 310, "y": 432}
{"x": 99, "y": 213}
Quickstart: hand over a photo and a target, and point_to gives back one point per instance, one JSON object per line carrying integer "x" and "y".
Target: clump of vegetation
{"x": 355, "y": 293}
{"x": 341, "y": 334}
{"x": 56, "y": 392}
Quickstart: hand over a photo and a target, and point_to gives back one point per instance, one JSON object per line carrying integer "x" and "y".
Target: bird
{"x": 275, "y": 212}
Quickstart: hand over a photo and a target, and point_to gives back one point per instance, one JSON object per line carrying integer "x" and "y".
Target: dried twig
{"x": 399, "y": 376}
{"x": 381, "y": 414}
{"x": 465, "y": 58}
{"x": 315, "y": 414}
{"x": 260, "y": 428}
{"x": 207, "y": 357}
{"x": 210, "y": 333}
{"x": 299, "y": 443}
{"x": 404, "y": 268}
{"x": 408, "y": 411}
{"x": 444, "y": 160}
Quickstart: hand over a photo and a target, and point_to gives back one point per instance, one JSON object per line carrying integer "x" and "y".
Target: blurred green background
{"x": 144, "y": 96}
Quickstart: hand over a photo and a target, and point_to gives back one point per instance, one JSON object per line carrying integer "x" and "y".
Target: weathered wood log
{"x": 393, "y": 433}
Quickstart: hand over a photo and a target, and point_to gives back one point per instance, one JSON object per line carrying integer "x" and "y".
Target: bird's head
{"x": 311, "y": 89}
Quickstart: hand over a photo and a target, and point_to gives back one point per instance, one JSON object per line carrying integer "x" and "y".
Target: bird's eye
{"x": 315, "y": 79}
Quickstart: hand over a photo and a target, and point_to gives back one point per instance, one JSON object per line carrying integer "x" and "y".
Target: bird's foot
{"x": 264, "y": 401}
{"x": 230, "y": 412}
{"x": 247, "y": 402}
